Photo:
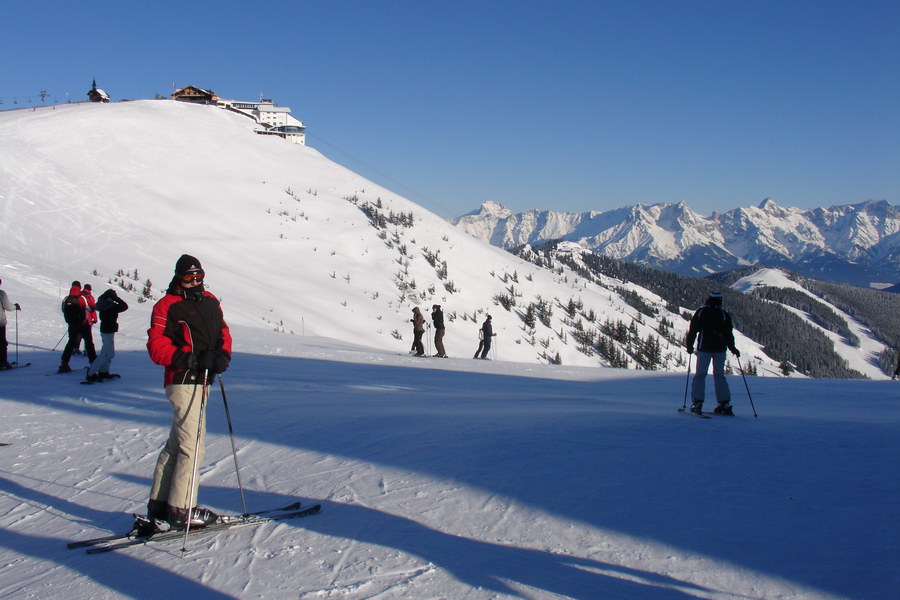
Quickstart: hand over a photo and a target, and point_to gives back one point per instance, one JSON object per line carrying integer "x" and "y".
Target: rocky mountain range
{"x": 857, "y": 244}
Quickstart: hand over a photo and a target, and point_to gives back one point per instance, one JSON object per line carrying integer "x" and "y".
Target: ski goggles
{"x": 195, "y": 276}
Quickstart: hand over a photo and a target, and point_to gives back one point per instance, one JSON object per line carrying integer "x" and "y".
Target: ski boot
{"x": 144, "y": 527}
{"x": 200, "y": 517}
{"x": 154, "y": 522}
{"x": 697, "y": 408}
{"x": 724, "y": 410}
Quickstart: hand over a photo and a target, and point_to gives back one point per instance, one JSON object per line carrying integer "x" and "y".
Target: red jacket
{"x": 90, "y": 305}
{"x": 183, "y": 326}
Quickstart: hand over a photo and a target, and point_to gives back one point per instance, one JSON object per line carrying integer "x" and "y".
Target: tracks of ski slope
{"x": 375, "y": 586}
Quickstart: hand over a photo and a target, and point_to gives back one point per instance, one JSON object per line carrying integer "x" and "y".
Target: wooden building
{"x": 194, "y": 94}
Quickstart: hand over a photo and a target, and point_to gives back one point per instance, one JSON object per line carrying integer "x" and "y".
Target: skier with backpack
{"x": 485, "y": 337}
{"x": 712, "y": 328}
{"x": 74, "y": 309}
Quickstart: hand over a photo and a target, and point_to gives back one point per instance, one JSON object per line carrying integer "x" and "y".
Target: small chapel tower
{"x": 95, "y": 94}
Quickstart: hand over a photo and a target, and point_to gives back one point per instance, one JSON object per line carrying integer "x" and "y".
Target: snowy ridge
{"x": 855, "y": 244}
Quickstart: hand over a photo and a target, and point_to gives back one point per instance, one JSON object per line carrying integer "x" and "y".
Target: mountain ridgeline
{"x": 857, "y": 244}
{"x": 761, "y": 315}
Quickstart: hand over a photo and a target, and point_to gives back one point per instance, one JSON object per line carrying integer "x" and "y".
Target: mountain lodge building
{"x": 271, "y": 118}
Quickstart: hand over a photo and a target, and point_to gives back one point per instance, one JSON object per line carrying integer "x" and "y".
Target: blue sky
{"x": 564, "y": 104}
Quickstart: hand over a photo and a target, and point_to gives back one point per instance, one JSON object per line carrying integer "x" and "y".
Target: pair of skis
{"x": 109, "y": 543}
{"x": 16, "y": 365}
{"x": 706, "y": 415}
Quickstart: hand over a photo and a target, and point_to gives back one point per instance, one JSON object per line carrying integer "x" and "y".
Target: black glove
{"x": 689, "y": 348}
{"x": 17, "y": 306}
{"x": 214, "y": 361}
{"x": 206, "y": 360}
{"x": 183, "y": 361}
{"x": 223, "y": 359}
{"x": 735, "y": 352}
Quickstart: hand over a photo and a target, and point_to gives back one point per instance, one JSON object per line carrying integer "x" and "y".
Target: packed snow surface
{"x": 453, "y": 478}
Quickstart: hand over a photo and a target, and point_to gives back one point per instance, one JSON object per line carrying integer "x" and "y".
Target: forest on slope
{"x": 761, "y": 315}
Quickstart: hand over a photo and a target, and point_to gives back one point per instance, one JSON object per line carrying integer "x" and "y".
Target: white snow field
{"x": 454, "y": 478}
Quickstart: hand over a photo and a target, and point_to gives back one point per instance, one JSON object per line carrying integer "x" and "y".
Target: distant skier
{"x": 90, "y": 311}
{"x": 5, "y": 305}
{"x": 712, "y": 327}
{"x": 90, "y": 304}
{"x": 437, "y": 316}
{"x": 74, "y": 309}
{"x": 189, "y": 337}
{"x": 418, "y": 322}
{"x": 485, "y": 336}
{"x": 108, "y": 306}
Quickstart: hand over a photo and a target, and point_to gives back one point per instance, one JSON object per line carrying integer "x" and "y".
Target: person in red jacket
{"x": 189, "y": 337}
{"x": 90, "y": 304}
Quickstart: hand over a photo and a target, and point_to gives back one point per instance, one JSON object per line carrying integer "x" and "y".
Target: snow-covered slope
{"x": 456, "y": 479}
{"x": 855, "y": 244}
{"x": 112, "y": 194}
{"x": 862, "y": 358}
{"x": 281, "y": 230}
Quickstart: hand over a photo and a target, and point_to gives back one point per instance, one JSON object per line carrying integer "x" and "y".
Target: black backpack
{"x": 72, "y": 311}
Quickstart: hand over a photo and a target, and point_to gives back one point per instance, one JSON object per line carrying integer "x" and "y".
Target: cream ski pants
{"x": 174, "y": 468}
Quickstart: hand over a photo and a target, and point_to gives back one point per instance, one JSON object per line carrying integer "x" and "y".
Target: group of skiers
{"x": 485, "y": 334}
{"x": 81, "y": 312}
{"x": 711, "y": 328}
{"x": 418, "y": 321}
{"x": 188, "y": 336}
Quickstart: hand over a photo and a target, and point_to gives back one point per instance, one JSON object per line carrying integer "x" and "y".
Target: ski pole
{"x": 61, "y": 338}
{"x": 237, "y": 469}
{"x": 687, "y": 381}
{"x": 190, "y": 492}
{"x": 755, "y": 416}
{"x": 17, "y": 335}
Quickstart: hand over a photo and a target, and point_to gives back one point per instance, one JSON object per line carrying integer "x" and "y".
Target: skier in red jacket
{"x": 189, "y": 337}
